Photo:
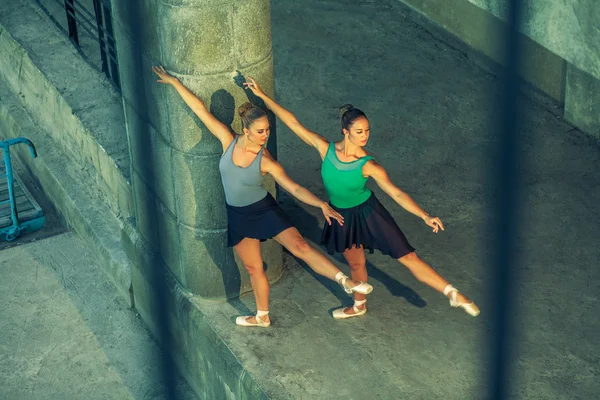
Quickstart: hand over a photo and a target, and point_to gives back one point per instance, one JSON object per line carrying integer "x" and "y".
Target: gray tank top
{"x": 242, "y": 185}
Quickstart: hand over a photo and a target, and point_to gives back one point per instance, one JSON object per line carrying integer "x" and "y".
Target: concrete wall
{"x": 61, "y": 181}
{"x": 568, "y": 28}
{"x": 61, "y": 91}
{"x": 560, "y": 39}
{"x": 49, "y": 95}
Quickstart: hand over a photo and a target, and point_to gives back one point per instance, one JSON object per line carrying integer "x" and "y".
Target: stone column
{"x": 179, "y": 198}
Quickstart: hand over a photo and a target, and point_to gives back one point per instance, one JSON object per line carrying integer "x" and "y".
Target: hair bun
{"x": 244, "y": 108}
{"x": 345, "y": 108}
{"x": 349, "y": 114}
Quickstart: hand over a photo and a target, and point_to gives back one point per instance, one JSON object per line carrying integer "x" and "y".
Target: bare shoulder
{"x": 268, "y": 163}
{"x": 373, "y": 168}
{"x": 226, "y": 141}
{"x": 267, "y": 156}
{"x": 321, "y": 144}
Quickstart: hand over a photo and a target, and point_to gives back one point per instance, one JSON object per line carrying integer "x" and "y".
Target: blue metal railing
{"x": 12, "y": 231}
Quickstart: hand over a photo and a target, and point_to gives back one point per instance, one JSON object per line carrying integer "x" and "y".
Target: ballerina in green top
{"x": 367, "y": 224}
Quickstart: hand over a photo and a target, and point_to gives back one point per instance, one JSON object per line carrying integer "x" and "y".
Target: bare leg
{"x": 295, "y": 243}
{"x": 358, "y": 269}
{"x": 249, "y": 252}
{"x": 426, "y": 274}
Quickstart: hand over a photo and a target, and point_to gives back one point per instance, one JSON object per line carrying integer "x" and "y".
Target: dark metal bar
{"x": 86, "y": 29}
{"x": 59, "y": 26}
{"x": 92, "y": 26}
{"x": 106, "y": 3}
{"x": 71, "y": 21}
{"x": 107, "y": 32}
{"x": 101, "y": 31}
{"x": 505, "y": 218}
{"x": 114, "y": 65}
{"x": 82, "y": 9}
{"x": 101, "y": 41}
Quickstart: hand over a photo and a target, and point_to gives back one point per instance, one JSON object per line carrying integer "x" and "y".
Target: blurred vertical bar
{"x": 111, "y": 48}
{"x": 161, "y": 299}
{"x": 71, "y": 22}
{"x": 506, "y": 185}
{"x": 101, "y": 38}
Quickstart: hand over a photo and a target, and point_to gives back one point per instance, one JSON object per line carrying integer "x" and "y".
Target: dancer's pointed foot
{"x": 459, "y": 300}
{"x": 359, "y": 308}
{"x": 261, "y": 321}
{"x": 351, "y": 286}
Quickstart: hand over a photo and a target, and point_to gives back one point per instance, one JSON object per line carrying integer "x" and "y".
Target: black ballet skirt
{"x": 261, "y": 220}
{"x": 368, "y": 224}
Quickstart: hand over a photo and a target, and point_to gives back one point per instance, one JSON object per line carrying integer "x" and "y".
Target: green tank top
{"x": 344, "y": 181}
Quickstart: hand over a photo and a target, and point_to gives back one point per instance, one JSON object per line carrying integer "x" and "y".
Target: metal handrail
{"x": 95, "y": 24}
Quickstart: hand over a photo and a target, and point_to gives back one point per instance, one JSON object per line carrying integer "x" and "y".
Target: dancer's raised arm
{"x": 215, "y": 126}
{"x": 311, "y": 138}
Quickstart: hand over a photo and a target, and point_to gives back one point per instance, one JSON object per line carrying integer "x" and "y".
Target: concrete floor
{"x": 66, "y": 333}
{"x": 429, "y": 107}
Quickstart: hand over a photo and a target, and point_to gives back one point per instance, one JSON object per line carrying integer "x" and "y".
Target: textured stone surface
{"x": 151, "y": 158}
{"x": 65, "y": 332}
{"x": 429, "y": 110}
{"x": 77, "y": 198}
{"x": 61, "y": 91}
{"x": 569, "y": 28}
{"x": 560, "y": 46}
{"x": 203, "y": 43}
{"x": 482, "y": 32}
{"x": 208, "y": 265}
{"x": 251, "y": 33}
{"x": 202, "y": 355}
{"x": 144, "y": 12}
{"x": 168, "y": 239}
{"x": 430, "y": 129}
{"x": 145, "y": 207}
{"x": 144, "y": 96}
{"x": 197, "y": 40}
{"x": 582, "y": 103}
{"x": 199, "y": 191}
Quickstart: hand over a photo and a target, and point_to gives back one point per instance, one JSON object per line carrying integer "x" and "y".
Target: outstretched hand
{"x": 434, "y": 222}
{"x": 252, "y": 85}
{"x": 329, "y": 213}
{"x": 164, "y": 76}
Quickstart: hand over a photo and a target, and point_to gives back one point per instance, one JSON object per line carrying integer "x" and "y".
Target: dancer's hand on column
{"x": 164, "y": 76}
{"x": 329, "y": 213}
{"x": 252, "y": 85}
{"x": 434, "y": 222}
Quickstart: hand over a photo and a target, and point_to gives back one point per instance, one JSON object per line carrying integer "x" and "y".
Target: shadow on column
{"x": 161, "y": 301}
{"x": 239, "y": 79}
{"x": 222, "y": 106}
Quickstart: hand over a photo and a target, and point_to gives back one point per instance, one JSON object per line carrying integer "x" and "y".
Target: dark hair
{"x": 248, "y": 113}
{"x": 349, "y": 114}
